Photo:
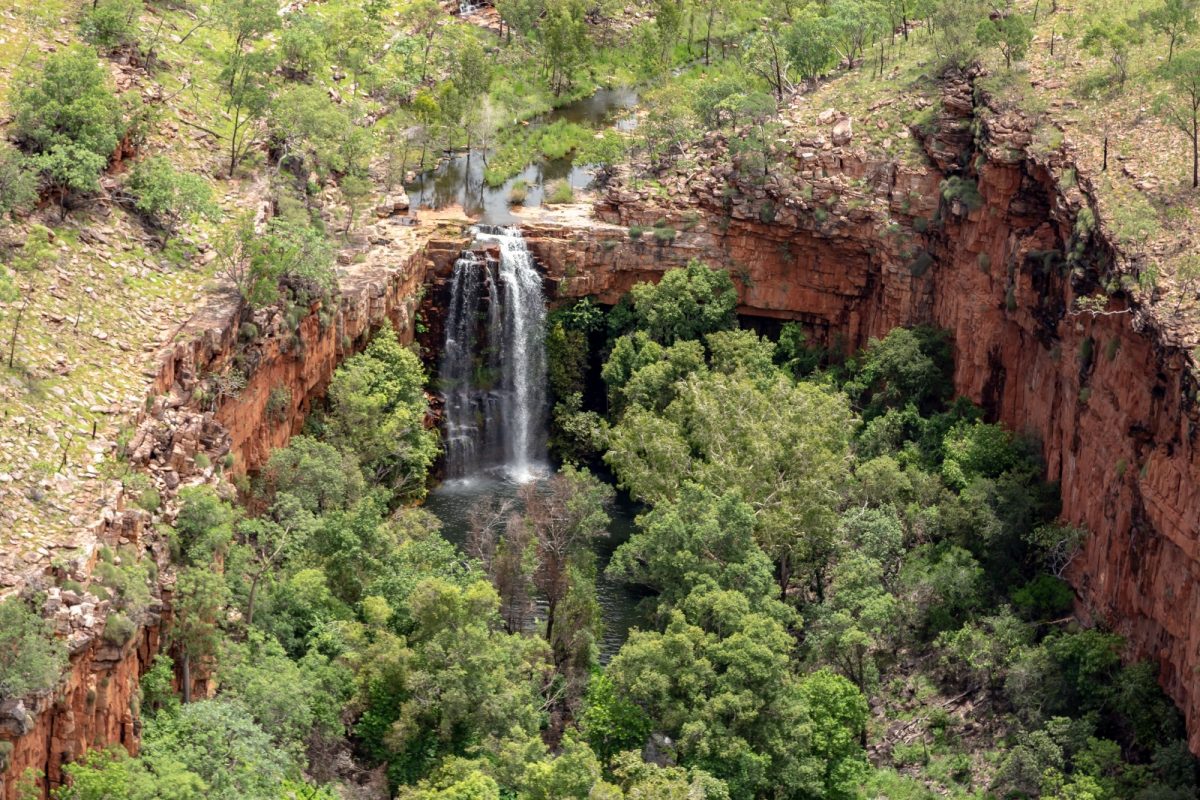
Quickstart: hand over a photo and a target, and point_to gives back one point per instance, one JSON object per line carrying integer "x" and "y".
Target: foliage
{"x": 219, "y": 742}
{"x": 18, "y": 182}
{"x": 31, "y": 657}
{"x": 1009, "y": 31}
{"x": 377, "y": 412}
{"x": 68, "y": 106}
{"x": 102, "y": 774}
{"x": 685, "y": 304}
{"x": 110, "y": 24}
{"x": 168, "y": 196}
{"x": 790, "y": 453}
{"x": 717, "y": 654}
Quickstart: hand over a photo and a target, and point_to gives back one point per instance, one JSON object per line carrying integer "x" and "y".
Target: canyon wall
{"x": 851, "y": 246}
{"x": 95, "y": 703}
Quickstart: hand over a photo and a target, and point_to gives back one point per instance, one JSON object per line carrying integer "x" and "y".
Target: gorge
{"x": 328, "y": 458}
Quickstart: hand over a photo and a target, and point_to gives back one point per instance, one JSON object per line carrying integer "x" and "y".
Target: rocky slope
{"x": 95, "y": 704}
{"x": 852, "y": 244}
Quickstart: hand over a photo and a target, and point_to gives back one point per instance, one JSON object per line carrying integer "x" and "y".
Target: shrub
{"x": 68, "y": 116}
{"x": 518, "y": 193}
{"x": 559, "y": 192}
{"x": 18, "y": 182}
{"x": 111, "y": 23}
{"x": 31, "y": 658}
{"x": 118, "y": 629}
{"x": 635, "y": 232}
{"x": 963, "y": 190}
{"x": 664, "y": 234}
{"x": 167, "y": 196}
{"x": 279, "y": 402}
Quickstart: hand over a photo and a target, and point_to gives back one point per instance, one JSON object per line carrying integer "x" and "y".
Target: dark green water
{"x": 452, "y": 503}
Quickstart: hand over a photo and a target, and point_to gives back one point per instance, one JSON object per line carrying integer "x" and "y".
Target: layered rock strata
{"x": 198, "y": 423}
{"x": 994, "y": 242}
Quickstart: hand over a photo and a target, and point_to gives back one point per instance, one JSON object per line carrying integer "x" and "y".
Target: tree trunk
{"x": 233, "y": 141}
{"x": 1195, "y": 149}
{"x": 250, "y": 602}
{"x": 186, "y": 673}
{"x": 708, "y": 35}
{"x": 12, "y": 342}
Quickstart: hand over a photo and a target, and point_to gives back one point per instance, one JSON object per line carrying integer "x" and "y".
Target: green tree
{"x": 782, "y": 446}
{"x": 1010, "y": 31}
{"x": 1182, "y": 107}
{"x": 700, "y": 536}
{"x": 456, "y": 683}
{"x": 377, "y": 411}
{"x": 67, "y": 115}
{"x": 853, "y": 24}
{"x": 856, "y": 623}
{"x": 167, "y": 196}
{"x": 31, "y": 657}
{"x": 955, "y": 23}
{"x": 719, "y": 682}
{"x": 110, "y": 773}
{"x": 200, "y": 599}
{"x": 1174, "y": 19}
{"x": 18, "y": 181}
{"x": 564, "y": 42}
{"x": 111, "y": 24}
{"x": 521, "y": 15}
{"x": 810, "y": 44}
{"x": 246, "y": 77}
{"x": 219, "y": 741}
{"x": 686, "y": 304}
{"x": 68, "y": 102}
{"x": 302, "y": 52}
{"x": 1116, "y": 39}
{"x": 610, "y": 722}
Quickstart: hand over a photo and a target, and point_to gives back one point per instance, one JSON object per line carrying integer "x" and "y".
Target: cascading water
{"x": 493, "y": 370}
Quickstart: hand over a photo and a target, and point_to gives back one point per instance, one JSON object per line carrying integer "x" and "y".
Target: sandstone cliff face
{"x": 96, "y": 702}
{"x": 1109, "y": 398}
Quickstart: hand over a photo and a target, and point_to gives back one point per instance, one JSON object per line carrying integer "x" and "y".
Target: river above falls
{"x": 459, "y": 179}
{"x": 453, "y": 500}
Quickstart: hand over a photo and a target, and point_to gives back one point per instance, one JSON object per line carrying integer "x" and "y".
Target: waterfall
{"x": 493, "y": 370}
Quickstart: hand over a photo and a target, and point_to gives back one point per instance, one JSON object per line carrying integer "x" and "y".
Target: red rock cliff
{"x": 96, "y": 702}
{"x": 847, "y": 247}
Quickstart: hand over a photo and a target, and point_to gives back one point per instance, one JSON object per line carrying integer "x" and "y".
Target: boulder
{"x": 843, "y": 132}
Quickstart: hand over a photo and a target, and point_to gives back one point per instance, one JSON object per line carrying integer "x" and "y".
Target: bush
{"x": 110, "y": 24}
{"x": 67, "y": 115}
{"x": 31, "y": 658}
{"x": 279, "y": 402}
{"x": 518, "y": 193}
{"x": 118, "y": 629}
{"x": 18, "y": 182}
{"x": 166, "y": 195}
{"x": 559, "y": 192}
{"x": 1044, "y": 597}
{"x": 664, "y": 234}
{"x": 963, "y": 190}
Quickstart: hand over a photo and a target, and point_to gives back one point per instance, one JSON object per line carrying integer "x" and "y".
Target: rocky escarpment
{"x": 994, "y": 242}
{"x": 196, "y": 424}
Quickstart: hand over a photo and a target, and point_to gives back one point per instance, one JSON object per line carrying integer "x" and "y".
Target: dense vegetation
{"x": 854, "y": 584}
{"x": 833, "y": 554}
